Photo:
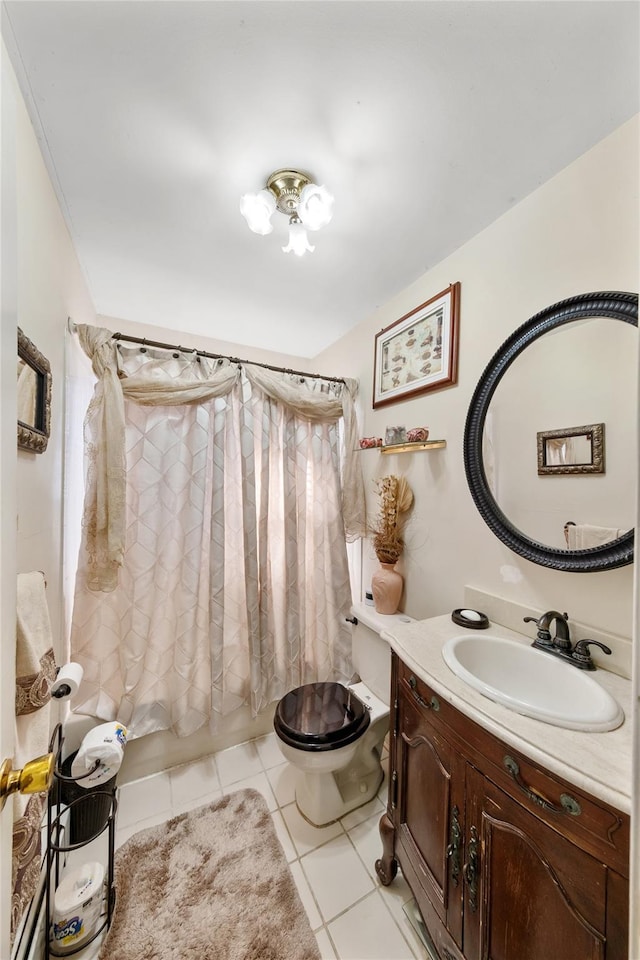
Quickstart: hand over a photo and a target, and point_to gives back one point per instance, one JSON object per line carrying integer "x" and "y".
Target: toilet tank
{"x": 371, "y": 654}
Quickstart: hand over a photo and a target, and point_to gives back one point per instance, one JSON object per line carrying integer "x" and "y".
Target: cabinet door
{"x": 529, "y": 893}
{"x": 430, "y": 811}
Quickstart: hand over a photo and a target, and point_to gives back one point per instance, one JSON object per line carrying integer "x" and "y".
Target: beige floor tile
{"x": 368, "y": 931}
{"x": 305, "y": 836}
{"x": 336, "y": 876}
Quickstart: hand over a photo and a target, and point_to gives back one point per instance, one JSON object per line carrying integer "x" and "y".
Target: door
{"x": 529, "y": 892}
{"x": 431, "y": 809}
{"x": 8, "y": 499}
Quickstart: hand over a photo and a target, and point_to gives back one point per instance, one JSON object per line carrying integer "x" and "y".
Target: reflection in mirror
{"x": 560, "y": 378}
{"x": 33, "y": 396}
{"x": 27, "y": 393}
{"x": 572, "y": 450}
{"x": 570, "y": 363}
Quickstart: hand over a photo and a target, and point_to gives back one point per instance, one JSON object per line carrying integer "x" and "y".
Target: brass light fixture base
{"x": 35, "y": 777}
{"x": 286, "y": 186}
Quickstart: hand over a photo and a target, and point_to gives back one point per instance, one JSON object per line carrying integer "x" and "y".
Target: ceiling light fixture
{"x": 308, "y": 206}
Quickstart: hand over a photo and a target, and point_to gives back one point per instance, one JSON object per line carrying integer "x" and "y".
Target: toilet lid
{"x": 320, "y": 716}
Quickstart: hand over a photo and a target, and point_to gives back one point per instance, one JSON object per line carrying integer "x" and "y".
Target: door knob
{"x": 35, "y": 777}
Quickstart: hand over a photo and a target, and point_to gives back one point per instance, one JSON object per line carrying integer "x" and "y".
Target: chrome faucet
{"x": 560, "y": 644}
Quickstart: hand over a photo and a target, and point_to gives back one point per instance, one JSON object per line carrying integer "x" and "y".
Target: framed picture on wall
{"x": 418, "y": 352}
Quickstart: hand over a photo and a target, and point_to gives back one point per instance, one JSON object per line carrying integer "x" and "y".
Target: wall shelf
{"x": 411, "y": 447}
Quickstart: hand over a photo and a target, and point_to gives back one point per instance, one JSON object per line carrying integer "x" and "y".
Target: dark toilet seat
{"x": 320, "y": 716}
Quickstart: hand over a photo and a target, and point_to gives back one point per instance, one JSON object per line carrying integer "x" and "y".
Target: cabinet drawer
{"x": 423, "y": 696}
{"x": 596, "y": 827}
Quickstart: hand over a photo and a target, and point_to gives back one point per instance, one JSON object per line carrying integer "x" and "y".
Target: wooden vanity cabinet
{"x": 506, "y": 860}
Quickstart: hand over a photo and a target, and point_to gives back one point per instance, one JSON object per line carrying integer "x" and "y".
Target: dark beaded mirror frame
{"x": 617, "y": 553}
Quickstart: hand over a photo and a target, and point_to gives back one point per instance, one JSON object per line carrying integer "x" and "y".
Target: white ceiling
{"x": 426, "y": 120}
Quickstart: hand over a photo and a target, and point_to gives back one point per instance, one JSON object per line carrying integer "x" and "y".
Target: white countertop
{"x": 599, "y": 763}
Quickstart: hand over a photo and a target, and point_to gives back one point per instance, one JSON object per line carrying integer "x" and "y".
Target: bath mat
{"x": 211, "y": 884}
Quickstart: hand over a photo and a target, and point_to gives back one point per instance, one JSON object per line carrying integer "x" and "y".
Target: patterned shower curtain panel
{"x": 233, "y": 585}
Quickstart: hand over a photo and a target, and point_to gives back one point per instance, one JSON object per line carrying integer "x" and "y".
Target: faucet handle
{"x": 582, "y": 656}
{"x": 544, "y": 635}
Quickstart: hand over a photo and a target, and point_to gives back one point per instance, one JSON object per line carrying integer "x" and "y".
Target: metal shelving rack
{"x": 57, "y": 811}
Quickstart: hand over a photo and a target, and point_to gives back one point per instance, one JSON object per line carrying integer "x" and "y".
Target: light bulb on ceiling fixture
{"x": 257, "y": 208}
{"x": 298, "y": 240}
{"x": 315, "y": 208}
{"x": 292, "y": 193}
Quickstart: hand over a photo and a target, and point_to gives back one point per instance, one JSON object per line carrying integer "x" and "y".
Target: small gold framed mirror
{"x": 571, "y": 450}
{"x": 33, "y": 396}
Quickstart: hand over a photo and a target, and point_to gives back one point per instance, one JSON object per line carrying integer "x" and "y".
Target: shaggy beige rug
{"x": 211, "y": 884}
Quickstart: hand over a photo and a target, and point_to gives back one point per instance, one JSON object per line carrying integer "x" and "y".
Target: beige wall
{"x": 41, "y": 285}
{"x": 576, "y": 233}
{"x": 8, "y": 457}
{"x": 225, "y": 347}
{"x": 50, "y": 288}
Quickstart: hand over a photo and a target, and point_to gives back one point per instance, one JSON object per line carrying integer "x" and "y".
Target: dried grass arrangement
{"x": 395, "y": 500}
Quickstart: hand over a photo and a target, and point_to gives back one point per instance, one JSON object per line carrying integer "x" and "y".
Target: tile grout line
{"x": 377, "y": 890}
{"x": 298, "y": 858}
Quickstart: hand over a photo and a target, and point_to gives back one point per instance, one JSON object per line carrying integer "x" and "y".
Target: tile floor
{"x": 352, "y": 915}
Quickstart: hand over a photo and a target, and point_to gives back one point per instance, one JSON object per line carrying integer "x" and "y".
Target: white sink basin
{"x": 532, "y": 682}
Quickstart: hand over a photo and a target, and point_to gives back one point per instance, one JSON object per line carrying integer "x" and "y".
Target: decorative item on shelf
{"x": 386, "y": 583}
{"x": 474, "y": 619}
{"x": 368, "y": 442}
{"x": 417, "y": 435}
{"x": 395, "y": 435}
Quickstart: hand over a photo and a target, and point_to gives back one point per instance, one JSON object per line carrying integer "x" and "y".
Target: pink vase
{"x": 386, "y": 586}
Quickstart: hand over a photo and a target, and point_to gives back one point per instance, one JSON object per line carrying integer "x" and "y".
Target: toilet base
{"x": 323, "y": 798}
{"x": 332, "y": 782}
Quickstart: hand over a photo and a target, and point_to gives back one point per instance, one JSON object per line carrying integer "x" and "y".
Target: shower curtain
{"x": 213, "y": 568}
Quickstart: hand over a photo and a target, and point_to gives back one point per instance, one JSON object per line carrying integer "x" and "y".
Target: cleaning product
{"x": 77, "y": 904}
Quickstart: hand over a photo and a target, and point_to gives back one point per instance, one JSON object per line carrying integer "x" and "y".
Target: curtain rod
{"x": 221, "y": 356}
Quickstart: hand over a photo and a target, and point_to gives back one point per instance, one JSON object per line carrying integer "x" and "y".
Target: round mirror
{"x": 549, "y": 433}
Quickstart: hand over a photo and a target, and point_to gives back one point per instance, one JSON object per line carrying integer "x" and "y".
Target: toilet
{"x": 333, "y": 734}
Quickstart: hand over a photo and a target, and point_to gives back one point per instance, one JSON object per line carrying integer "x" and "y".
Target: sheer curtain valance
{"x": 315, "y": 400}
